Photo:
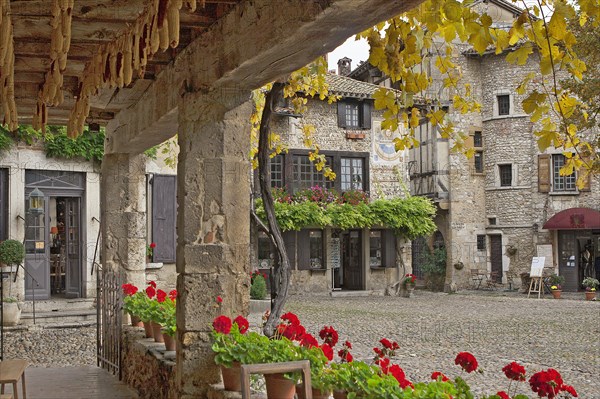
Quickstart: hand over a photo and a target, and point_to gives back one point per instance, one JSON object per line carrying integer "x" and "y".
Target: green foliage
{"x": 245, "y": 348}
{"x": 88, "y": 145}
{"x": 410, "y": 217}
{"x": 590, "y": 282}
{"x": 258, "y": 289}
{"x": 6, "y": 140}
{"x": 10, "y": 299}
{"x": 557, "y": 280}
{"x": 434, "y": 267}
{"x": 152, "y": 152}
{"x": 12, "y": 252}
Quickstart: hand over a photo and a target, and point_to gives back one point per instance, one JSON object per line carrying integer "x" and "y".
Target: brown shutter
{"x": 388, "y": 242}
{"x": 3, "y": 205}
{"x": 341, "y": 113}
{"x": 303, "y": 243}
{"x": 544, "y": 173}
{"x": 164, "y": 214}
{"x": 289, "y": 239}
{"x": 366, "y": 115}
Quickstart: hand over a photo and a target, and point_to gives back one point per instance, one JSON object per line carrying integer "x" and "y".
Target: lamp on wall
{"x": 36, "y": 201}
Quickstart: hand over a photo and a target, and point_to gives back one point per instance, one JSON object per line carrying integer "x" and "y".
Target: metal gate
{"x": 108, "y": 329}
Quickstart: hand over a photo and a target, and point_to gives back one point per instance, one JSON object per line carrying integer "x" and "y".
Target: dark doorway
{"x": 351, "y": 271}
{"x": 496, "y": 256}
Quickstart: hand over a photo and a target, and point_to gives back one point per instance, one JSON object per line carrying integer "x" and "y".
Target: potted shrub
{"x": 12, "y": 252}
{"x": 11, "y": 311}
{"x": 258, "y": 287}
{"x": 556, "y": 282}
{"x": 408, "y": 285}
{"x": 169, "y": 319}
{"x": 591, "y": 285}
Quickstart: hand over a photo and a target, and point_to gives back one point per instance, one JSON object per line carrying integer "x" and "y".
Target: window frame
{"x": 500, "y": 106}
{"x": 478, "y": 166}
{"x": 277, "y": 181}
{"x": 352, "y": 173}
{"x": 568, "y": 186}
{"x": 363, "y": 108}
{"x": 481, "y": 242}
{"x": 502, "y": 169}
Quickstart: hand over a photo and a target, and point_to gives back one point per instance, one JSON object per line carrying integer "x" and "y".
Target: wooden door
{"x": 496, "y": 255}
{"x": 37, "y": 254}
{"x": 73, "y": 247}
{"x": 352, "y": 264}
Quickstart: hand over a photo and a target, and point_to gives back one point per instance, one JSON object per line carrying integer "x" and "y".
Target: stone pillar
{"x": 213, "y": 228}
{"x": 123, "y": 216}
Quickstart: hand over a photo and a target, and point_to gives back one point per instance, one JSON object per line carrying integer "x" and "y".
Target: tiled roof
{"x": 348, "y": 87}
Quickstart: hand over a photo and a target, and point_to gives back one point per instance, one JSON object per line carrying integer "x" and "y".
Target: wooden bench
{"x": 274, "y": 368}
{"x": 10, "y": 373}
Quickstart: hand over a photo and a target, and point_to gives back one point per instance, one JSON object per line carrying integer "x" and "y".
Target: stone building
{"x": 363, "y": 157}
{"x": 509, "y": 202}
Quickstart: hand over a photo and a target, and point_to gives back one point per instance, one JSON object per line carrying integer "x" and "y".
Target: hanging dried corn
{"x": 8, "y": 107}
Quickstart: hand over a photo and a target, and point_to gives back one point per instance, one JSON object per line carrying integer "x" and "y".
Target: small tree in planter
{"x": 12, "y": 252}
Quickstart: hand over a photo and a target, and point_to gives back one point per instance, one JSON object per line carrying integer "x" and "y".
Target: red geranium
{"x": 386, "y": 343}
{"x": 348, "y": 345}
{"x": 161, "y": 296}
{"x": 327, "y": 351}
{"x": 173, "y": 295}
{"x": 150, "y": 291}
{"x": 503, "y": 395}
{"x": 242, "y": 323}
{"x": 436, "y": 374}
{"x": 344, "y": 353}
{"x": 309, "y": 341}
{"x": 291, "y": 318}
{"x": 293, "y": 332}
{"x": 329, "y": 335}
{"x": 153, "y": 245}
{"x": 129, "y": 289}
{"x": 219, "y": 299}
{"x": 378, "y": 352}
{"x": 570, "y": 389}
{"x": 467, "y": 361}
{"x": 222, "y": 324}
{"x": 152, "y": 284}
{"x": 546, "y": 383}
{"x": 514, "y": 371}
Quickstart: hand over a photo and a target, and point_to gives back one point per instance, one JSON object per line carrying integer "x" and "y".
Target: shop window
{"x": 310, "y": 250}
{"x": 375, "y": 247}
{"x": 265, "y": 251}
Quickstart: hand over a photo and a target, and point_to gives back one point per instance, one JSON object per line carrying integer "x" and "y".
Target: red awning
{"x": 574, "y": 219}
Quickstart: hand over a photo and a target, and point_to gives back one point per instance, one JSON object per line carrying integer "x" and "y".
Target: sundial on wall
{"x": 384, "y": 151}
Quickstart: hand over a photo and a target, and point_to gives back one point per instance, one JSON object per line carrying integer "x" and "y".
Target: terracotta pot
{"x": 340, "y": 395}
{"x": 158, "y": 337}
{"x": 590, "y": 295}
{"x": 556, "y": 294}
{"x": 232, "y": 377}
{"x": 148, "y": 329}
{"x": 170, "y": 342}
{"x": 316, "y": 393}
{"x": 136, "y": 321}
{"x": 279, "y": 387}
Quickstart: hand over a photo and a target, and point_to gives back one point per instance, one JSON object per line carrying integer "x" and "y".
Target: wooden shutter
{"x": 388, "y": 244}
{"x": 544, "y": 174}
{"x": 341, "y": 113}
{"x": 366, "y": 115}
{"x": 164, "y": 215}
{"x": 303, "y": 249}
{"x": 3, "y": 205}
{"x": 289, "y": 239}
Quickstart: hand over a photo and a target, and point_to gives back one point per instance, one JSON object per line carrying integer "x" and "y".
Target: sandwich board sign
{"x": 537, "y": 266}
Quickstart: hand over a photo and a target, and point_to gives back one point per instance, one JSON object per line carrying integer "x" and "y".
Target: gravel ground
{"x": 430, "y": 328}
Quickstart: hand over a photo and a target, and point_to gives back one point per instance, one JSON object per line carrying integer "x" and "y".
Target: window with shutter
{"x": 164, "y": 215}
{"x": 354, "y": 114}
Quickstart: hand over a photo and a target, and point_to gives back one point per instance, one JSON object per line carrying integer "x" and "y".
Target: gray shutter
{"x": 164, "y": 215}
{"x": 289, "y": 239}
{"x": 303, "y": 243}
{"x": 388, "y": 244}
{"x": 341, "y": 113}
{"x": 366, "y": 115}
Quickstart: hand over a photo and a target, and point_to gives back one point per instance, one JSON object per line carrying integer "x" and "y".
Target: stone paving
{"x": 430, "y": 327}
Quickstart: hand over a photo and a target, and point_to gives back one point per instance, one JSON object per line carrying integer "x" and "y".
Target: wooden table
{"x": 10, "y": 373}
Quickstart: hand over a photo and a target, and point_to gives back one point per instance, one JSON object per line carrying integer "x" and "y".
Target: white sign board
{"x": 537, "y": 266}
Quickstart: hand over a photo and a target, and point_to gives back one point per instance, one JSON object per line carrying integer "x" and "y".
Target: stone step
{"x": 355, "y": 293}
{"x": 61, "y": 318}
{"x": 61, "y": 304}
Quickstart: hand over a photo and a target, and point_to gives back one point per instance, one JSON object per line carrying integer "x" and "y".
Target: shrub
{"x": 12, "y": 252}
{"x": 258, "y": 289}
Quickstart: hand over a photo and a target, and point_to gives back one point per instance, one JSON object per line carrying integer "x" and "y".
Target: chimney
{"x": 344, "y": 66}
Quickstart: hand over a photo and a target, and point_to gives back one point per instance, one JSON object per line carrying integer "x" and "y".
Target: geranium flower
{"x": 329, "y": 335}
{"x": 348, "y": 345}
{"x": 345, "y": 355}
{"x": 327, "y": 351}
{"x": 129, "y": 289}
{"x": 514, "y": 371}
{"x": 309, "y": 341}
{"x": 291, "y": 318}
{"x": 153, "y": 245}
{"x": 436, "y": 374}
{"x": 152, "y": 284}
{"x": 161, "y": 296}
{"x": 222, "y": 324}
{"x": 293, "y": 332}
{"x": 242, "y": 323}
{"x": 503, "y": 395}
{"x": 378, "y": 352}
{"x": 173, "y": 295}
{"x": 467, "y": 361}
{"x": 546, "y": 383}
{"x": 386, "y": 343}
{"x": 219, "y": 299}
{"x": 569, "y": 389}
{"x": 150, "y": 291}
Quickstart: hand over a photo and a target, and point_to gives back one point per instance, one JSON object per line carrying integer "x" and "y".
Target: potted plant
{"x": 167, "y": 317}
{"x": 591, "y": 285}
{"x": 408, "y": 285}
{"x": 150, "y": 251}
{"x": 12, "y": 252}
{"x": 556, "y": 282}
{"x": 11, "y": 312}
